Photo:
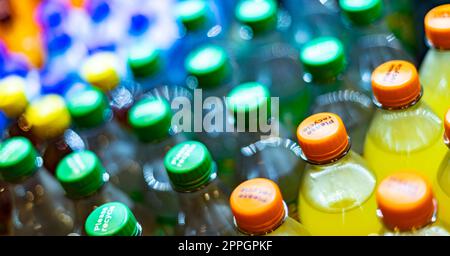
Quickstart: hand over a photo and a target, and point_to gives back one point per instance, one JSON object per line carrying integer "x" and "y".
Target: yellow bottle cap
{"x": 101, "y": 70}
{"x": 47, "y": 117}
{"x": 13, "y": 99}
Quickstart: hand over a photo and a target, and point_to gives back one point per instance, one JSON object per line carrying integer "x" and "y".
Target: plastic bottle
{"x": 433, "y": 71}
{"x": 38, "y": 202}
{"x": 327, "y": 77}
{"x": 112, "y": 219}
{"x": 372, "y": 42}
{"x": 407, "y": 207}
{"x": 404, "y": 133}
{"x": 85, "y": 181}
{"x": 337, "y": 191}
{"x": 259, "y": 209}
{"x": 442, "y": 180}
{"x": 203, "y": 200}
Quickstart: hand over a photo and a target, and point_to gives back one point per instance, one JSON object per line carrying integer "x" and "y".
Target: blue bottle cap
{"x": 57, "y": 82}
{"x": 58, "y": 44}
{"x": 52, "y": 14}
{"x": 3, "y": 123}
{"x": 99, "y": 10}
{"x": 139, "y": 24}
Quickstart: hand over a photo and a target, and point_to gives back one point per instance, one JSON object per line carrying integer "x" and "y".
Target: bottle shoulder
{"x": 290, "y": 227}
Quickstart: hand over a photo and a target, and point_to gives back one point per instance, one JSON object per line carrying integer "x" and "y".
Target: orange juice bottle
{"x": 407, "y": 207}
{"x": 337, "y": 191}
{"x": 442, "y": 181}
{"x": 405, "y": 133}
{"x": 259, "y": 209}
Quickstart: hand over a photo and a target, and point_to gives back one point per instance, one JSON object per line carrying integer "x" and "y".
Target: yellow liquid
{"x": 408, "y": 139}
{"x": 435, "y": 77}
{"x": 290, "y": 227}
{"x": 430, "y": 230}
{"x": 339, "y": 199}
{"x": 442, "y": 192}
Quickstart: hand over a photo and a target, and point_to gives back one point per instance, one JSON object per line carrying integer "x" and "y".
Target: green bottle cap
{"x": 112, "y": 219}
{"x": 362, "y": 12}
{"x": 189, "y": 166}
{"x": 210, "y": 64}
{"x": 150, "y": 119}
{"x": 259, "y": 15}
{"x": 81, "y": 174}
{"x": 247, "y": 99}
{"x": 18, "y": 159}
{"x": 144, "y": 60}
{"x": 88, "y": 108}
{"x": 193, "y": 14}
{"x": 323, "y": 58}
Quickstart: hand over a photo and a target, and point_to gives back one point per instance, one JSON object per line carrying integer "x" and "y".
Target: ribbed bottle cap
{"x": 362, "y": 12}
{"x": 189, "y": 166}
{"x": 322, "y": 137}
{"x": 257, "y": 206}
{"x": 81, "y": 174}
{"x": 88, "y": 108}
{"x": 437, "y": 26}
{"x": 405, "y": 200}
{"x": 112, "y": 219}
{"x": 259, "y": 15}
{"x": 13, "y": 99}
{"x": 210, "y": 64}
{"x": 150, "y": 119}
{"x": 144, "y": 60}
{"x": 323, "y": 58}
{"x": 18, "y": 159}
{"x": 101, "y": 70}
{"x": 48, "y": 117}
{"x": 193, "y": 14}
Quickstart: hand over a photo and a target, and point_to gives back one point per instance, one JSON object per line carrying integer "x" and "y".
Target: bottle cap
{"x": 257, "y": 206}
{"x": 209, "y": 64}
{"x": 58, "y": 44}
{"x": 81, "y": 174}
{"x": 150, "y": 119}
{"x": 259, "y": 15}
{"x": 101, "y": 70}
{"x": 323, "y": 58}
{"x": 88, "y": 108}
{"x": 139, "y": 24}
{"x": 189, "y": 166}
{"x": 48, "y": 116}
{"x": 447, "y": 124}
{"x": 144, "y": 60}
{"x": 322, "y": 137}
{"x": 18, "y": 159}
{"x": 112, "y": 219}
{"x": 396, "y": 83}
{"x": 405, "y": 200}
{"x": 437, "y": 26}
{"x": 193, "y": 14}
{"x": 362, "y": 12}
{"x": 13, "y": 99}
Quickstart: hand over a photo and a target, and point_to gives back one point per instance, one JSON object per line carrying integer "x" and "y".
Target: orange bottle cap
{"x": 437, "y": 26}
{"x": 447, "y": 124}
{"x": 406, "y": 201}
{"x": 396, "y": 83}
{"x": 322, "y": 137}
{"x": 257, "y": 206}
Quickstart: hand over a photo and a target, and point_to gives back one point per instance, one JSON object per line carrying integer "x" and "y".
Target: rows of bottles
{"x": 89, "y": 146}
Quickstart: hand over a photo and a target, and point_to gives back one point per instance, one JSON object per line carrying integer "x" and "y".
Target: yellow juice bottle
{"x": 259, "y": 209}
{"x": 337, "y": 193}
{"x": 405, "y": 133}
{"x": 442, "y": 181}
{"x": 435, "y": 71}
{"x": 407, "y": 207}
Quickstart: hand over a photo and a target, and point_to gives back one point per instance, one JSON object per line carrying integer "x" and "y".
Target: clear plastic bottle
{"x": 203, "y": 199}
{"x": 85, "y": 181}
{"x": 372, "y": 42}
{"x": 38, "y": 203}
{"x": 259, "y": 153}
{"x": 112, "y": 219}
{"x": 258, "y": 209}
{"x": 434, "y": 73}
{"x": 404, "y": 133}
{"x": 327, "y": 76}
{"x": 441, "y": 183}
{"x": 407, "y": 207}
{"x": 337, "y": 192}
